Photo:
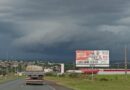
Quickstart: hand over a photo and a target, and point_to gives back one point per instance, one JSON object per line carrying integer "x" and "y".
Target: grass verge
{"x": 101, "y": 82}
{"x": 8, "y": 77}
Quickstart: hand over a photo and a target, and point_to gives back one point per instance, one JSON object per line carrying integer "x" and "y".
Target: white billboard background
{"x": 89, "y": 58}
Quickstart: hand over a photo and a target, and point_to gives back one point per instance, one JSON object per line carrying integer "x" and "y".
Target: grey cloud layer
{"x": 59, "y": 27}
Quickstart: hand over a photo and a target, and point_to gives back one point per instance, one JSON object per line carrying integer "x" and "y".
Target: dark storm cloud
{"x": 56, "y": 28}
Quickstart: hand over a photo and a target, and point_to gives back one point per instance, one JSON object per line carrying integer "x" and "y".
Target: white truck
{"x": 35, "y": 75}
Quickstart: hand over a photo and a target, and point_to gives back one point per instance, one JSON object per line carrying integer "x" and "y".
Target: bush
{"x": 61, "y": 75}
{"x": 104, "y": 79}
{"x": 116, "y": 77}
{"x": 50, "y": 74}
{"x": 74, "y": 75}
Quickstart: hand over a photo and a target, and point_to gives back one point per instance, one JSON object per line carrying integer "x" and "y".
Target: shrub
{"x": 74, "y": 75}
{"x": 104, "y": 79}
{"x": 50, "y": 74}
{"x": 61, "y": 75}
{"x": 116, "y": 77}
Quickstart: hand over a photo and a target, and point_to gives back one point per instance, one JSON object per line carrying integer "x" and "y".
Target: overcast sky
{"x": 54, "y": 29}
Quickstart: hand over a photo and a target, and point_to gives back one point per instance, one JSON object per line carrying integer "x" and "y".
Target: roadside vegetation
{"x": 9, "y": 77}
{"x": 85, "y": 82}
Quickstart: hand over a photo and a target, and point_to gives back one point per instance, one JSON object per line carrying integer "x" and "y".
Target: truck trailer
{"x": 35, "y": 75}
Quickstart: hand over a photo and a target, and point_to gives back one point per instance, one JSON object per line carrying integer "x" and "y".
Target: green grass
{"x": 7, "y": 78}
{"x": 115, "y": 82}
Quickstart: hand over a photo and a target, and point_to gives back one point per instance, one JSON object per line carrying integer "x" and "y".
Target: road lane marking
{"x": 52, "y": 88}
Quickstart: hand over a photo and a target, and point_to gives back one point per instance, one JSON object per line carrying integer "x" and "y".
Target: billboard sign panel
{"x": 89, "y": 58}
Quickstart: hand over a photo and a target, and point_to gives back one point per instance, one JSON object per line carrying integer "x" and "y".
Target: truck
{"x": 35, "y": 75}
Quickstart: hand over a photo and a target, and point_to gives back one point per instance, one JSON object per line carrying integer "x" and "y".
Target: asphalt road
{"x": 20, "y": 85}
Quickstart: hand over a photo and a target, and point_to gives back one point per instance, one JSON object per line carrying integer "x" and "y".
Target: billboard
{"x": 89, "y": 58}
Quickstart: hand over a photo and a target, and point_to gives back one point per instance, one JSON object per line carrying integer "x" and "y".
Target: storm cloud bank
{"x": 54, "y": 29}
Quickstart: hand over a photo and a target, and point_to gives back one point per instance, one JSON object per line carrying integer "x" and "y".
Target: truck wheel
{"x": 27, "y": 84}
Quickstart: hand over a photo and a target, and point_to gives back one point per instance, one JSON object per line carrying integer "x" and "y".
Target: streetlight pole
{"x": 126, "y": 61}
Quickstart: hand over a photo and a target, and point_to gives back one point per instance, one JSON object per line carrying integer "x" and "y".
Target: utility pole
{"x": 126, "y": 61}
{"x": 6, "y": 67}
{"x": 92, "y": 65}
{"x": 92, "y": 72}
